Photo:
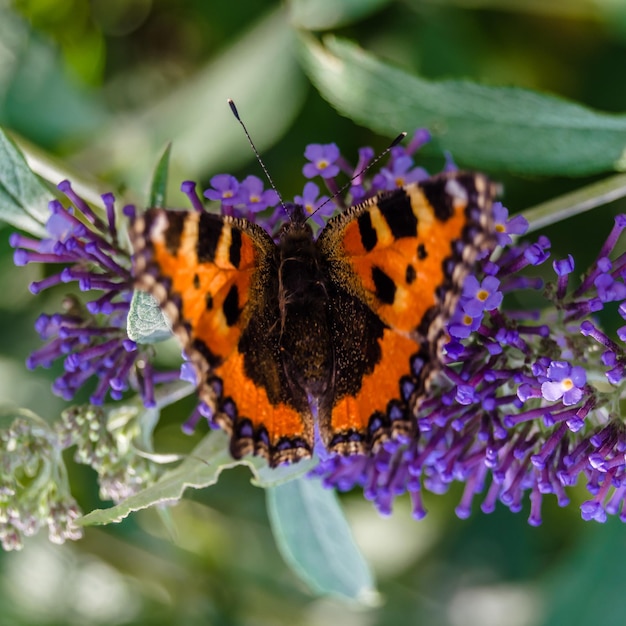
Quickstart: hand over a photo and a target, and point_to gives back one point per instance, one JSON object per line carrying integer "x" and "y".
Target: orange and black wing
{"x": 211, "y": 276}
{"x": 402, "y": 257}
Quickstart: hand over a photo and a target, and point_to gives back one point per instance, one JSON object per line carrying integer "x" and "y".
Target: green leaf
{"x": 23, "y": 198}
{"x": 313, "y": 536}
{"x": 199, "y": 470}
{"x": 146, "y": 322}
{"x": 158, "y": 188}
{"x": 327, "y": 14}
{"x": 496, "y": 128}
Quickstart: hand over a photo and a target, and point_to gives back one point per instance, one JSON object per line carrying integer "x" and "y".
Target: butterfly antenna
{"x": 233, "y": 108}
{"x": 394, "y": 143}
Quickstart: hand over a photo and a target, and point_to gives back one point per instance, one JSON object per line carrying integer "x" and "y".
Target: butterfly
{"x": 335, "y": 338}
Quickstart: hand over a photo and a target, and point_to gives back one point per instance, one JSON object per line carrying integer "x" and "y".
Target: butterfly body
{"x": 345, "y": 329}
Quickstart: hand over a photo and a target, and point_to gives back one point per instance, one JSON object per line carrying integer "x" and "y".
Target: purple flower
{"x": 254, "y": 197}
{"x": 400, "y": 172}
{"x": 322, "y": 159}
{"x": 564, "y": 267}
{"x": 311, "y": 202}
{"x": 564, "y": 381}
{"x": 610, "y": 288}
{"x": 462, "y": 325}
{"x": 478, "y": 297}
{"x": 506, "y": 227}
{"x": 537, "y": 253}
{"x": 224, "y": 189}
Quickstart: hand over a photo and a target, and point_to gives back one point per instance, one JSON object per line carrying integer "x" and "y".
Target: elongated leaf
{"x": 575, "y": 202}
{"x": 145, "y": 322}
{"x": 324, "y": 14}
{"x": 315, "y": 539}
{"x": 23, "y": 199}
{"x": 201, "y": 469}
{"x": 158, "y": 188}
{"x": 497, "y": 128}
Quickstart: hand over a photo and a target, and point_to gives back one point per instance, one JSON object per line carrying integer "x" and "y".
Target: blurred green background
{"x": 100, "y": 87}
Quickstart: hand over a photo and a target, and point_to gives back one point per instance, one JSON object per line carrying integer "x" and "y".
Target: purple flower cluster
{"x": 238, "y": 198}
{"x": 513, "y": 410}
{"x": 91, "y": 339}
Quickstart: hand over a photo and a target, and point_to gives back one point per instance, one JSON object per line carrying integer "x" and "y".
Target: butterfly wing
{"x": 213, "y": 277}
{"x": 404, "y": 255}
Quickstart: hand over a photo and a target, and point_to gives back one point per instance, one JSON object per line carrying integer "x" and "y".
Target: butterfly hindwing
{"x": 214, "y": 278}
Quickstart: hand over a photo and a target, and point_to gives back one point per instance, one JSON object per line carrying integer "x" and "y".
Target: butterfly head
{"x": 297, "y": 226}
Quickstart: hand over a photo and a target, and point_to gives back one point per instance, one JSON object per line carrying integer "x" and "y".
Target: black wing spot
{"x": 398, "y": 213}
{"x": 421, "y": 252}
{"x": 439, "y": 198}
{"x": 234, "y": 252}
{"x": 411, "y": 274}
{"x": 174, "y": 231}
{"x": 231, "y": 306}
{"x": 209, "y": 233}
{"x": 196, "y": 281}
{"x": 385, "y": 287}
{"x": 369, "y": 238}
{"x": 208, "y": 301}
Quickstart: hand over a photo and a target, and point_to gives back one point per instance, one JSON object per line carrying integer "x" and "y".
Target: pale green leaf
{"x": 199, "y": 470}
{"x": 314, "y": 538}
{"x": 146, "y": 322}
{"x": 23, "y": 198}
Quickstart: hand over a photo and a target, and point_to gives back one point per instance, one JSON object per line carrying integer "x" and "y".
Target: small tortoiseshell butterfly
{"x": 347, "y": 327}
